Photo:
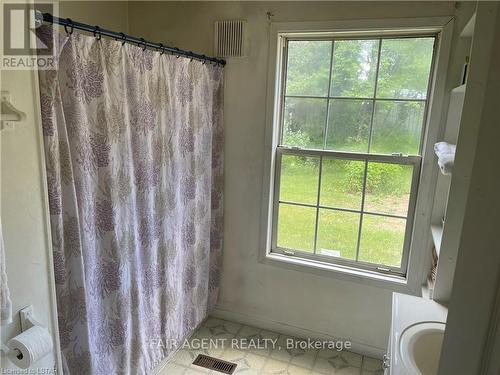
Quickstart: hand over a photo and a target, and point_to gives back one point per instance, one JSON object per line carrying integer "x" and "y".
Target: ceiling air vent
{"x": 214, "y": 364}
{"x": 230, "y": 38}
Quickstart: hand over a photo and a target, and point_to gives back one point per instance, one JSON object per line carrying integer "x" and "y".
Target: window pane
{"x": 337, "y": 233}
{"x": 342, "y": 183}
{"x": 404, "y": 68}
{"x": 308, "y": 68}
{"x": 382, "y": 240}
{"x": 349, "y": 125}
{"x": 304, "y": 122}
{"x": 299, "y": 179}
{"x": 388, "y": 188}
{"x": 296, "y": 227}
{"x": 397, "y": 127}
{"x": 354, "y": 66}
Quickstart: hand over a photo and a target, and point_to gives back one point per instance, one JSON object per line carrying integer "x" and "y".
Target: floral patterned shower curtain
{"x": 133, "y": 148}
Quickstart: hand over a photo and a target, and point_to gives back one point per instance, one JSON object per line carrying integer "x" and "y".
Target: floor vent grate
{"x": 214, "y": 364}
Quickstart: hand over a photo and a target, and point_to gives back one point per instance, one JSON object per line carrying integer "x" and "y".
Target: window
{"x": 351, "y": 125}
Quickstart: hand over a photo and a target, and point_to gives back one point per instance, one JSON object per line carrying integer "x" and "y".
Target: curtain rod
{"x": 98, "y": 32}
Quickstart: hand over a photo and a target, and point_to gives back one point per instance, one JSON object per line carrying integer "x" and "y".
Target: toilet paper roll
{"x": 30, "y": 346}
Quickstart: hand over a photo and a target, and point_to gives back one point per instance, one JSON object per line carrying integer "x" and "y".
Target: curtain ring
{"x": 123, "y": 38}
{"x": 66, "y": 26}
{"x": 160, "y": 47}
{"x": 121, "y": 34}
{"x": 97, "y": 32}
{"x": 143, "y": 42}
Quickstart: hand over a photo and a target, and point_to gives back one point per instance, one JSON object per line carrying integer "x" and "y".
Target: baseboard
{"x": 161, "y": 366}
{"x": 164, "y": 362}
{"x": 287, "y": 329}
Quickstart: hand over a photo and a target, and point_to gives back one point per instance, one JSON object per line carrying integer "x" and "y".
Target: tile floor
{"x": 267, "y": 360}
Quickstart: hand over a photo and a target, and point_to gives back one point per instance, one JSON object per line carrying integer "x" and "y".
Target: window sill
{"x": 390, "y": 282}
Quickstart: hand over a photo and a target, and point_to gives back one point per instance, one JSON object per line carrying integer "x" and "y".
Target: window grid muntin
{"x": 363, "y": 198}
{"x": 325, "y": 133}
{"x": 395, "y": 158}
{"x": 354, "y": 98}
{"x": 330, "y": 76}
{"x": 359, "y": 35}
{"x": 317, "y": 203}
{"x": 370, "y": 134}
{"x": 341, "y": 209}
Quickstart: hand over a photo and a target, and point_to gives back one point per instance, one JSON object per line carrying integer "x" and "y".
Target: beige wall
{"x": 252, "y": 290}
{"x": 23, "y": 213}
{"x": 111, "y": 15}
{"x": 23, "y": 206}
{"x": 472, "y": 339}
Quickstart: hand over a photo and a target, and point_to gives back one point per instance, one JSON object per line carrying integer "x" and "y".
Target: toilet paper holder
{"x": 27, "y": 321}
{"x": 27, "y": 318}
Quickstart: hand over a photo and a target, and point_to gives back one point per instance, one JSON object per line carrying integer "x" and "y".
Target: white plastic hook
{"x": 9, "y": 113}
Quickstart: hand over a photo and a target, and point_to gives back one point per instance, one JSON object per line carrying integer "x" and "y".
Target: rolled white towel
{"x": 446, "y": 156}
{"x": 444, "y": 148}
{"x": 446, "y": 162}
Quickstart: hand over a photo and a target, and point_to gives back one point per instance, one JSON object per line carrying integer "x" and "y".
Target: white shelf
{"x": 454, "y": 114}
{"x": 437, "y": 236}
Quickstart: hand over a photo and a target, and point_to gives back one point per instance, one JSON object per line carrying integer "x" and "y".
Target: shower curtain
{"x": 133, "y": 149}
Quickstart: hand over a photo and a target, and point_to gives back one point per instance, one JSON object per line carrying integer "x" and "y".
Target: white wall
{"x": 253, "y": 291}
{"x": 250, "y": 290}
{"x": 447, "y": 198}
{"x": 472, "y": 339}
{"x": 23, "y": 200}
{"x": 112, "y": 15}
{"x": 23, "y": 213}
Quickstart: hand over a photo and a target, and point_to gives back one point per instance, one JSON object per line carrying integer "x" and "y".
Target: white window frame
{"x": 415, "y": 258}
